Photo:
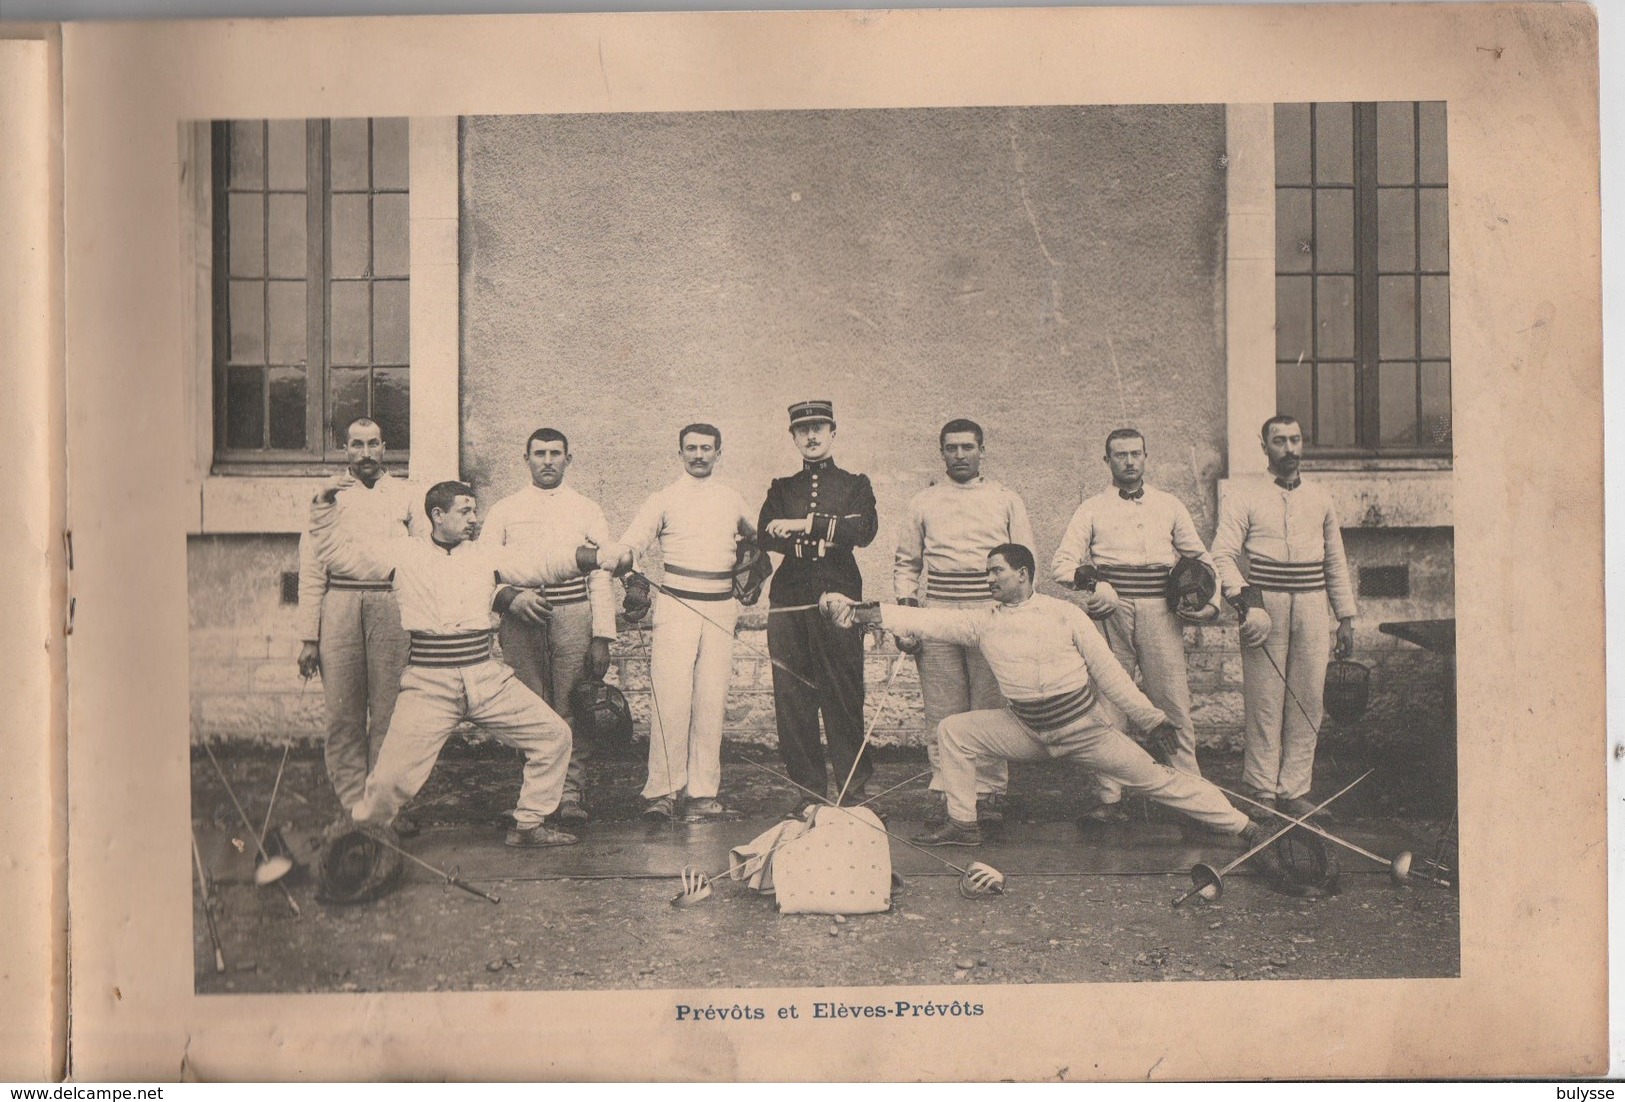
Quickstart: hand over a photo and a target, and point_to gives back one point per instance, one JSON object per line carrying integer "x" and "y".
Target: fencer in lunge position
{"x": 448, "y": 586}
{"x": 1288, "y": 532}
{"x": 941, "y": 562}
{"x": 1131, "y": 535}
{"x": 1050, "y": 662}
{"x": 699, "y": 522}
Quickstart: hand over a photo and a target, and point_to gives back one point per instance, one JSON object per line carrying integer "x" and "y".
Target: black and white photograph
{"x": 829, "y": 548}
{"x": 1044, "y": 544}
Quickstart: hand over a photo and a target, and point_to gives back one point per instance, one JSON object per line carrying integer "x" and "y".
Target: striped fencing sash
{"x": 957, "y": 585}
{"x": 1055, "y": 712}
{"x": 364, "y": 585}
{"x": 1136, "y": 581}
{"x": 698, "y": 585}
{"x": 1287, "y": 577}
{"x": 464, "y": 648}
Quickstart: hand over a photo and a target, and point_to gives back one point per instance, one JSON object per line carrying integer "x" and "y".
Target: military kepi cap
{"x": 803, "y": 413}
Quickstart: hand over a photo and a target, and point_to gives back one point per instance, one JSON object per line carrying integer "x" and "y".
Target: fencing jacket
{"x": 1109, "y": 530}
{"x": 951, "y": 527}
{"x": 537, "y": 518}
{"x": 441, "y": 591}
{"x": 1041, "y": 651}
{"x": 370, "y": 515}
{"x": 697, "y": 521}
{"x": 1287, "y": 530}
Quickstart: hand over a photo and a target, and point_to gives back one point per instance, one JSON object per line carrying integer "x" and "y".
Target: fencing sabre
{"x": 269, "y": 870}
{"x": 1208, "y": 882}
{"x": 208, "y": 907}
{"x": 452, "y": 879}
{"x": 757, "y": 650}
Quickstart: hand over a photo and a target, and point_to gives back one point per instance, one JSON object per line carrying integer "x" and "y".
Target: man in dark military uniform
{"x": 814, "y": 519}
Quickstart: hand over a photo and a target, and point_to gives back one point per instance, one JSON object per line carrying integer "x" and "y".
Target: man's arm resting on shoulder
{"x": 341, "y": 554}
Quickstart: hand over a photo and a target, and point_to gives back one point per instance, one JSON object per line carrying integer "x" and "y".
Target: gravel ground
{"x": 621, "y": 934}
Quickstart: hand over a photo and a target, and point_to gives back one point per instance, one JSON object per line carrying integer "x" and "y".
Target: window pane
{"x": 1436, "y": 316}
{"x": 347, "y": 154}
{"x": 347, "y": 400}
{"x": 1431, "y": 134}
{"x": 1436, "y": 420}
{"x": 286, "y": 141}
{"x": 1396, "y": 146}
{"x": 390, "y": 321}
{"x": 1434, "y": 229}
{"x": 246, "y": 307}
{"x": 1292, "y": 143}
{"x": 1396, "y": 317}
{"x": 350, "y": 322}
{"x": 1334, "y": 230}
{"x": 287, "y": 309}
{"x": 389, "y": 235}
{"x": 1292, "y": 318}
{"x": 287, "y": 407}
{"x": 245, "y": 407}
{"x": 1334, "y": 143}
{"x": 389, "y": 163}
{"x": 1293, "y": 230}
{"x": 1396, "y": 404}
{"x": 287, "y": 244}
{"x": 246, "y": 242}
{"x": 1293, "y": 394}
{"x": 349, "y": 247}
{"x": 248, "y": 154}
{"x": 1334, "y": 315}
{"x": 1334, "y": 419}
{"x": 389, "y": 406}
{"x": 1396, "y": 230}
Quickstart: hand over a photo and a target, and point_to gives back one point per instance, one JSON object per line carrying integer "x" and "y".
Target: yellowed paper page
{"x": 180, "y": 539}
{"x": 33, "y": 873}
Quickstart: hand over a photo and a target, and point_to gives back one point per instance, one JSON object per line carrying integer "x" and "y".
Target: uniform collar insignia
{"x": 817, "y": 464}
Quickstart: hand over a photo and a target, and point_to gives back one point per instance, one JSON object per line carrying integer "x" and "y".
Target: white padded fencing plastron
{"x": 842, "y": 865}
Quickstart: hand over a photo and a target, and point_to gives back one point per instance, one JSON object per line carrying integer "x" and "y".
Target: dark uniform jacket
{"x": 842, "y": 505}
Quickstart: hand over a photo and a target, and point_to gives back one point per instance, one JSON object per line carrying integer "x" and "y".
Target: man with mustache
{"x": 350, "y": 624}
{"x": 699, "y": 523}
{"x": 448, "y": 586}
{"x": 1288, "y": 532}
{"x": 575, "y": 641}
{"x": 815, "y": 518}
{"x": 1131, "y": 535}
{"x": 950, "y": 529}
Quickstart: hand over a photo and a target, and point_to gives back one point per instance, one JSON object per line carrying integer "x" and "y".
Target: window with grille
{"x": 310, "y": 288}
{"x": 1362, "y": 285}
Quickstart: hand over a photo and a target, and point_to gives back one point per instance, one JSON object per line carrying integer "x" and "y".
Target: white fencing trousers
{"x": 432, "y": 702}
{"x": 968, "y": 738}
{"x": 362, "y": 650}
{"x": 956, "y": 679}
{"x": 690, "y": 663}
{"x": 554, "y": 659}
{"x": 1279, "y": 756}
{"x": 1146, "y": 639}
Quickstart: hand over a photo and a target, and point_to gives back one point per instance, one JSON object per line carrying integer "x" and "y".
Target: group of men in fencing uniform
{"x": 1005, "y": 673}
